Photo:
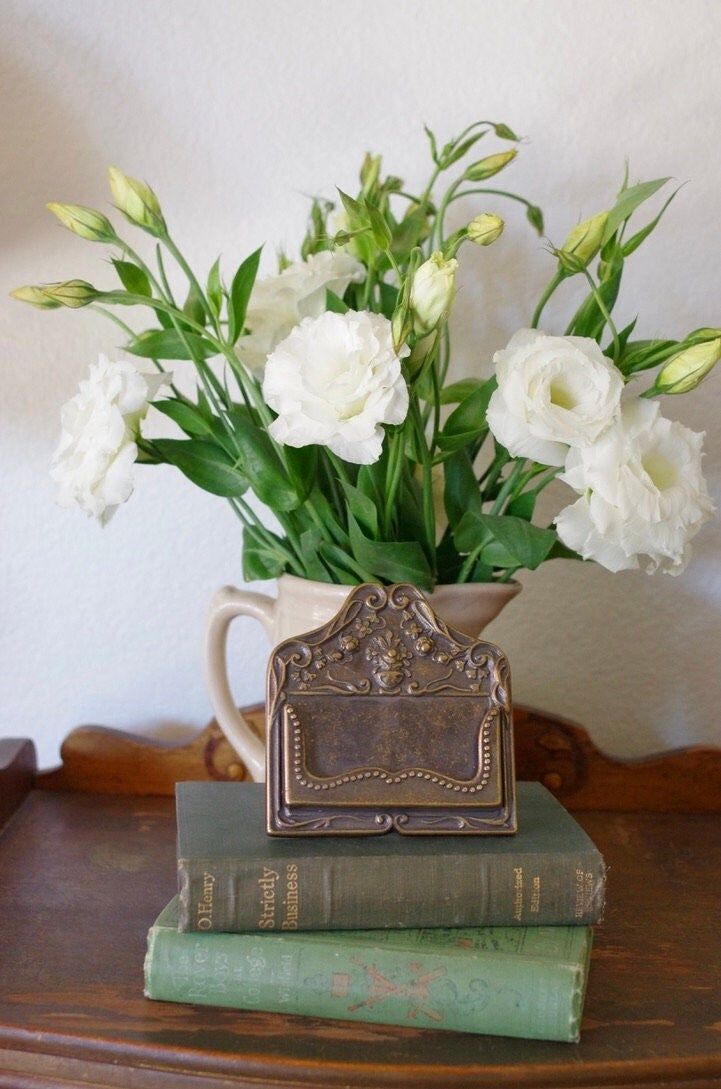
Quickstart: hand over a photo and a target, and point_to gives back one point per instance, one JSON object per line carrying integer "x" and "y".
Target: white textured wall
{"x": 234, "y": 110}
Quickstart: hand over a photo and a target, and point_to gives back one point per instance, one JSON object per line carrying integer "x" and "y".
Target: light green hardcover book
{"x": 504, "y": 981}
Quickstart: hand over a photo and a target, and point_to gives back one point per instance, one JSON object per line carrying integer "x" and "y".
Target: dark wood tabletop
{"x": 83, "y": 875}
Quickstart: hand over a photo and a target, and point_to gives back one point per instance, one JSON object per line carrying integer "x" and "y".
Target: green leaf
{"x": 393, "y": 561}
{"x": 328, "y": 517}
{"x": 467, "y": 422}
{"x": 409, "y": 232}
{"x": 310, "y": 547}
{"x": 381, "y": 231}
{"x": 371, "y": 478}
{"x": 389, "y": 298}
{"x": 448, "y": 560}
{"x": 507, "y": 541}
{"x": 433, "y": 143}
{"x": 240, "y": 294}
{"x": 302, "y": 462}
{"x": 342, "y": 566}
{"x": 169, "y": 344}
{"x": 362, "y": 508}
{"x": 206, "y": 464}
{"x": 460, "y": 492}
{"x": 262, "y": 465}
{"x": 335, "y": 303}
{"x": 627, "y": 203}
{"x": 452, "y": 156}
{"x": 260, "y": 561}
{"x": 588, "y": 321}
{"x": 523, "y": 505}
{"x": 458, "y": 391}
{"x": 133, "y": 279}
{"x": 189, "y": 418}
{"x": 635, "y": 241}
{"x": 193, "y": 306}
{"x": 214, "y": 288}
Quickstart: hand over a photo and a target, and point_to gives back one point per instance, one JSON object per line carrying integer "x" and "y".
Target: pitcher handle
{"x": 228, "y": 603}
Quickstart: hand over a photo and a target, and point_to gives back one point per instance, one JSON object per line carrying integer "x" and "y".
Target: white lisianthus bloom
{"x": 643, "y": 495}
{"x": 278, "y": 303}
{"x": 333, "y": 381}
{"x": 553, "y": 393}
{"x": 93, "y": 463}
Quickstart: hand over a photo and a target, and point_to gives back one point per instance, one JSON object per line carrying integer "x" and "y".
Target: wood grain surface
{"x": 82, "y": 876}
{"x": 558, "y": 753}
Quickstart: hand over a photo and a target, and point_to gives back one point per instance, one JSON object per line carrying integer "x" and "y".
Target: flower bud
{"x": 492, "y": 164}
{"x": 137, "y": 202}
{"x": 684, "y": 371}
{"x": 584, "y": 242}
{"x": 432, "y": 291}
{"x": 84, "y": 222}
{"x": 35, "y": 296}
{"x": 485, "y": 229}
{"x": 72, "y": 293}
{"x": 370, "y": 172}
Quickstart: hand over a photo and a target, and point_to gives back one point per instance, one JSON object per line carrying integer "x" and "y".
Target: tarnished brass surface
{"x": 384, "y": 719}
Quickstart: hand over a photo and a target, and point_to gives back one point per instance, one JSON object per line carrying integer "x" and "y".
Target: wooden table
{"x": 87, "y": 861}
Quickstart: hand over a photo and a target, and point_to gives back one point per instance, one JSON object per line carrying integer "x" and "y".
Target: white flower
{"x": 553, "y": 392}
{"x": 333, "y": 381}
{"x": 642, "y": 493}
{"x": 432, "y": 291}
{"x": 278, "y": 303}
{"x": 94, "y": 459}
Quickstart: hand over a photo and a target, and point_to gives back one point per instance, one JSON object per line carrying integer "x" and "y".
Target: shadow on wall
{"x": 45, "y": 148}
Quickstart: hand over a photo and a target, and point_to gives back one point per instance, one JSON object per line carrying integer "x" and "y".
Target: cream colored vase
{"x": 302, "y": 605}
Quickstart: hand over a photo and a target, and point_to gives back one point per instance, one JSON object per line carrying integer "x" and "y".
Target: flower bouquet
{"x": 322, "y": 389}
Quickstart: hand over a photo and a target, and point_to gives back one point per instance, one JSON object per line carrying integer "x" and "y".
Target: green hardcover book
{"x": 505, "y": 981}
{"x": 234, "y": 877}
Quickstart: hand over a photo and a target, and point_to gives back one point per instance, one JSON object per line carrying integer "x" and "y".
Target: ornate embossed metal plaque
{"x": 385, "y": 718}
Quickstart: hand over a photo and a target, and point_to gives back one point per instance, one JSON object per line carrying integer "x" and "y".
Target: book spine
{"x": 506, "y": 995}
{"x": 486, "y": 889}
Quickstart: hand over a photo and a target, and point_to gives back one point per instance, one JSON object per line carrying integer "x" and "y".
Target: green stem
{"x": 470, "y": 562}
{"x": 192, "y": 280}
{"x": 547, "y": 292}
{"x": 508, "y": 485}
{"x": 605, "y": 312}
{"x": 429, "y": 514}
{"x": 393, "y": 477}
{"x": 437, "y": 232}
{"x": 493, "y": 192}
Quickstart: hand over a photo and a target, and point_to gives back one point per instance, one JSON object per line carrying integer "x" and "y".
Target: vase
{"x": 302, "y": 605}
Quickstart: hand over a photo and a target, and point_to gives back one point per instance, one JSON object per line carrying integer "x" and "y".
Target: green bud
{"x": 569, "y": 262}
{"x": 492, "y": 164}
{"x": 137, "y": 202}
{"x": 84, "y": 222}
{"x": 370, "y": 172}
{"x": 684, "y": 371}
{"x": 35, "y": 296}
{"x": 432, "y": 292}
{"x": 485, "y": 229}
{"x": 584, "y": 241}
{"x": 72, "y": 293}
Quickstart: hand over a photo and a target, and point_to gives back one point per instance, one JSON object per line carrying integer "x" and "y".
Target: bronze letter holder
{"x": 385, "y": 718}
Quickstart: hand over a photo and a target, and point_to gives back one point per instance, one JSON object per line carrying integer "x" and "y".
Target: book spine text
{"x": 235, "y": 895}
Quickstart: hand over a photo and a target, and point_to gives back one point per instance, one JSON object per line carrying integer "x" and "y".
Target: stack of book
{"x": 488, "y": 934}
